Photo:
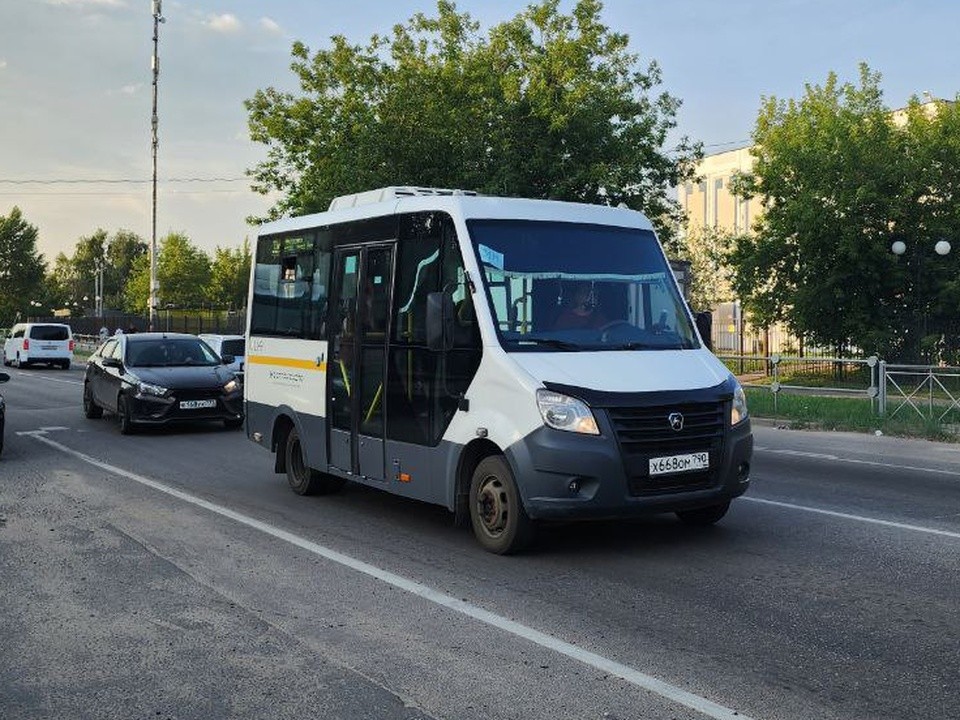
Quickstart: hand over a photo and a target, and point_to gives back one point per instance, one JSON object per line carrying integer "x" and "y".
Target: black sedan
{"x": 3, "y": 378}
{"x": 160, "y": 378}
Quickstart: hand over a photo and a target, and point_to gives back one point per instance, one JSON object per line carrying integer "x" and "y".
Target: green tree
{"x": 22, "y": 269}
{"x": 183, "y": 271}
{"x": 840, "y": 180}
{"x": 548, "y": 105}
{"x": 124, "y": 249}
{"x": 230, "y": 277}
{"x": 73, "y": 278}
{"x": 708, "y": 249}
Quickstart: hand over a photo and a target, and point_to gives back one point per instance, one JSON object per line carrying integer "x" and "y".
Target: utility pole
{"x": 154, "y": 122}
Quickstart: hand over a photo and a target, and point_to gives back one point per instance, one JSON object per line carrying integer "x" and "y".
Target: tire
{"x": 233, "y": 423}
{"x": 123, "y": 412}
{"x": 90, "y": 408}
{"x": 701, "y": 517}
{"x": 65, "y": 364}
{"x": 20, "y": 364}
{"x": 2, "y": 423}
{"x": 499, "y": 521}
{"x": 305, "y": 480}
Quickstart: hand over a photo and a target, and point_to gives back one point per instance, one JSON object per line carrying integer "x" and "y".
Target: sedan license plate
{"x": 679, "y": 463}
{"x": 197, "y": 404}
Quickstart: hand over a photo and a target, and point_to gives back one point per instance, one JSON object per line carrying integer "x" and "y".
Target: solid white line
{"x": 858, "y": 518}
{"x": 629, "y": 674}
{"x": 854, "y": 461}
{"x": 50, "y": 379}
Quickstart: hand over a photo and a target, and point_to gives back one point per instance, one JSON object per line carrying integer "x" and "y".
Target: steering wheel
{"x": 605, "y": 329}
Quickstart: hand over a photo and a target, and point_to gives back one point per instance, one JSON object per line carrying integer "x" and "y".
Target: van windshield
{"x": 564, "y": 287}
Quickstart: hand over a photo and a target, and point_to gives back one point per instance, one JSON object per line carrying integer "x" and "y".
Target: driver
{"x": 583, "y": 311}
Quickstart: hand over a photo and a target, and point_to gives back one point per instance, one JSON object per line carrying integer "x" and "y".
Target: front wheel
{"x": 500, "y": 523}
{"x": 90, "y": 408}
{"x": 123, "y": 412}
{"x": 704, "y": 516}
{"x": 303, "y": 479}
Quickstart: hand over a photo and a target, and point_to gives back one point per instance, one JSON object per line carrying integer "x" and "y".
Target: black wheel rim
{"x": 493, "y": 506}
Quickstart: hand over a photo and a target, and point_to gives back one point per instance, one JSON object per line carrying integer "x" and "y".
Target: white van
{"x": 513, "y": 360}
{"x": 230, "y": 345}
{"x": 39, "y": 344}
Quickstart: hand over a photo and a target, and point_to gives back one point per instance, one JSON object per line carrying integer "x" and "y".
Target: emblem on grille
{"x": 676, "y": 421}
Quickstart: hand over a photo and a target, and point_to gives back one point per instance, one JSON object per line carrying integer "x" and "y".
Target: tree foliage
{"x": 841, "y": 179}
{"x": 547, "y": 105}
{"x": 183, "y": 271}
{"x": 229, "y": 276}
{"x": 22, "y": 268}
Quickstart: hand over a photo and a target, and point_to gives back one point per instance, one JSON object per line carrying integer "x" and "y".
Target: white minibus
{"x": 514, "y": 360}
{"x": 39, "y": 344}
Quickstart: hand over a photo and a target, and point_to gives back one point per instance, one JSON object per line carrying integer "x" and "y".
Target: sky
{"x": 75, "y": 88}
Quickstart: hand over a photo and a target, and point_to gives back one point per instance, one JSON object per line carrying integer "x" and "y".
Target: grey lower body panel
{"x": 563, "y": 476}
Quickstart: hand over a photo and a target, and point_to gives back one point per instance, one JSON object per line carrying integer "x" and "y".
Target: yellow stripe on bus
{"x": 286, "y": 362}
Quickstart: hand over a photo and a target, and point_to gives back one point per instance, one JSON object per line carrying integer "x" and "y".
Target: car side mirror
{"x": 4, "y": 377}
{"x": 440, "y": 321}
{"x": 705, "y": 327}
{"x": 112, "y": 362}
{"x": 228, "y": 359}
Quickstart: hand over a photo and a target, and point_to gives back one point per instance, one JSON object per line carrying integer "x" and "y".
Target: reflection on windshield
{"x": 169, "y": 352}
{"x": 566, "y": 286}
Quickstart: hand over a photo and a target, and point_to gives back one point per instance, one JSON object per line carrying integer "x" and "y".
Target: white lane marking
{"x": 625, "y": 672}
{"x": 854, "y": 461}
{"x": 849, "y": 516}
{"x": 50, "y": 379}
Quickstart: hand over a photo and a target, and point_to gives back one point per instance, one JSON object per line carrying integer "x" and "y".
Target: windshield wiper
{"x": 550, "y": 342}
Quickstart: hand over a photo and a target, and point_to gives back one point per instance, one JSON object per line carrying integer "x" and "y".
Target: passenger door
{"x": 363, "y": 276}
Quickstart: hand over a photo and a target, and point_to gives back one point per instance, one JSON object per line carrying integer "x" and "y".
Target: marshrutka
{"x": 514, "y": 360}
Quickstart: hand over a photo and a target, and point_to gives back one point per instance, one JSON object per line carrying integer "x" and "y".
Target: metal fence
{"x": 929, "y": 391}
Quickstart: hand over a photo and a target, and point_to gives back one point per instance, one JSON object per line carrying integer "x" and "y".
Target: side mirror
{"x": 440, "y": 321}
{"x": 112, "y": 362}
{"x": 705, "y": 327}
{"x": 4, "y": 377}
{"x": 227, "y": 359}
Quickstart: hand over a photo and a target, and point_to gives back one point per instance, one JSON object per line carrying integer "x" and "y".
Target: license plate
{"x": 196, "y": 404}
{"x": 49, "y": 347}
{"x": 679, "y": 463}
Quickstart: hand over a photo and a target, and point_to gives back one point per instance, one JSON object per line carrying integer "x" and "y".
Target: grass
{"x": 851, "y": 414}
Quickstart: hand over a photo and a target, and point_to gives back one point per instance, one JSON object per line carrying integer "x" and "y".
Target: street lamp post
{"x": 154, "y": 123}
{"x": 899, "y": 248}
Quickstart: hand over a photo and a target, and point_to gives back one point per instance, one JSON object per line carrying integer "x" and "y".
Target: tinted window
{"x": 290, "y": 285}
{"x": 233, "y": 347}
{"x": 50, "y": 332}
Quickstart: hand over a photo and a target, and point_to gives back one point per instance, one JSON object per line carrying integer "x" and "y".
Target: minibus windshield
{"x": 566, "y": 287}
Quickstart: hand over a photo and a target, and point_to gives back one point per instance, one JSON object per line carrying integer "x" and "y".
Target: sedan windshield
{"x": 170, "y": 352}
{"x": 567, "y": 287}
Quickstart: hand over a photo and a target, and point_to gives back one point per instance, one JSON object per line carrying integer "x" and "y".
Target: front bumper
{"x": 565, "y": 476}
{"x": 151, "y": 410}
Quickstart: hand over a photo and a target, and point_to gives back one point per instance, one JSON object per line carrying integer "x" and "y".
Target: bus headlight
{"x": 738, "y": 410}
{"x": 566, "y": 413}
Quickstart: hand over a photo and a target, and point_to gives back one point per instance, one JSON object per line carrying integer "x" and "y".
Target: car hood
{"x": 186, "y": 377}
{"x": 626, "y": 371}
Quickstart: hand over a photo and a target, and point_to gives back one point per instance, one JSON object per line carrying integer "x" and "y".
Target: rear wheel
{"x": 303, "y": 479}
{"x": 123, "y": 412}
{"x": 90, "y": 407}
{"x": 500, "y": 523}
{"x": 704, "y": 516}
{"x": 2, "y": 422}
{"x": 65, "y": 364}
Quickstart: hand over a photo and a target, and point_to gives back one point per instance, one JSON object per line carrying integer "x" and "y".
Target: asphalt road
{"x": 171, "y": 574}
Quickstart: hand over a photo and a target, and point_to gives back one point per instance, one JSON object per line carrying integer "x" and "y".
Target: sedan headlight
{"x": 149, "y": 389}
{"x": 566, "y": 413}
{"x": 738, "y": 410}
{"x": 231, "y": 387}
